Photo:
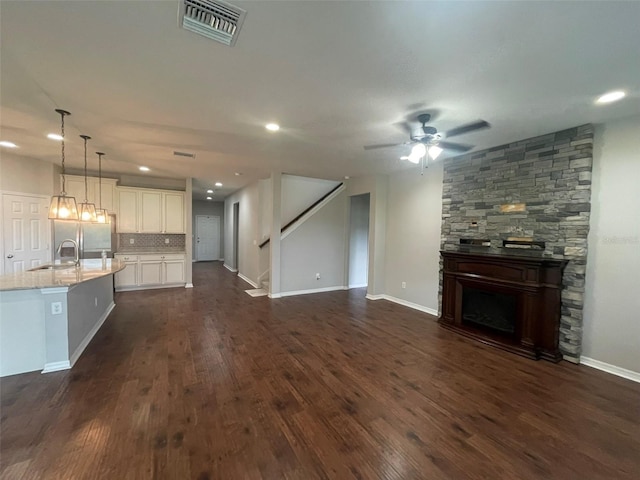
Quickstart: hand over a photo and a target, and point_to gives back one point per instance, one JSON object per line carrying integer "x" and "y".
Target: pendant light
{"x": 86, "y": 210}
{"x": 101, "y": 213}
{"x": 63, "y": 207}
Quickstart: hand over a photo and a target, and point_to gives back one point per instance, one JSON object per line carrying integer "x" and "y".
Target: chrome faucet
{"x": 76, "y": 259}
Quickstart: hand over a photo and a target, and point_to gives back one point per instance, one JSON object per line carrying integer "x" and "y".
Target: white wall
{"x": 414, "y": 218}
{"x": 359, "y": 239}
{"x": 249, "y": 226}
{"x": 214, "y": 209}
{"x": 27, "y": 175}
{"x": 299, "y": 193}
{"x": 612, "y": 302}
{"x": 317, "y": 246}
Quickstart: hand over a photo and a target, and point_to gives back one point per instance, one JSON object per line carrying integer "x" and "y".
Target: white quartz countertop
{"x": 60, "y": 276}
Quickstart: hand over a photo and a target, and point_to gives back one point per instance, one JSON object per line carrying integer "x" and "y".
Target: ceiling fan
{"x": 427, "y": 137}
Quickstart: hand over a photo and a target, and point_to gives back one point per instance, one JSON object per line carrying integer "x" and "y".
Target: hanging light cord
{"x": 86, "y": 196}
{"x": 64, "y": 191}
{"x": 100, "y": 177}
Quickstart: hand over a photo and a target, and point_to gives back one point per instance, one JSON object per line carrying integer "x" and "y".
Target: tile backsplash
{"x": 150, "y": 240}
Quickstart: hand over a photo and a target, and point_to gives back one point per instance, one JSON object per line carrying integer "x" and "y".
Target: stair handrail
{"x": 304, "y": 212}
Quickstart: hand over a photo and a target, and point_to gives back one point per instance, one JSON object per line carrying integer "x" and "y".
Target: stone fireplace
{"x": 539, "y": 188}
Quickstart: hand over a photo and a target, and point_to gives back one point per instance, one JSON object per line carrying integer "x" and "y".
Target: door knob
{"x": 9, "y": 256}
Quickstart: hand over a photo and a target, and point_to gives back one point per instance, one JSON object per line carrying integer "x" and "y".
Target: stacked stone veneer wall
{"x": 551, "y": 174}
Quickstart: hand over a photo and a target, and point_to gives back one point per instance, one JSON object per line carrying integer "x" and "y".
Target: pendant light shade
{"x": 101, "y": 214}
{"x": 63, "y": 207}
{"x": 86, "y": 210}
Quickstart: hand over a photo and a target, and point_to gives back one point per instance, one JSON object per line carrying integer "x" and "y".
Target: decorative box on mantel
{"x": 506, "y": 298}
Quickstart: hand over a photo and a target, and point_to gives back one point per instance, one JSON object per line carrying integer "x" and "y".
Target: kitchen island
{"x": 49, "y": 315}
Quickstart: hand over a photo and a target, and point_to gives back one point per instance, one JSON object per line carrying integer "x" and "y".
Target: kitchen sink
{"x": 57, "y": 266}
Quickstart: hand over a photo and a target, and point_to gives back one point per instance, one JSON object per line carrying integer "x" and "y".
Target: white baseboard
{"x": 360, "y": 285}
{"x": 369, "y": 296}
{"x": 274, "y": 295}
{"x": 248, "y": 280}
{"x": 85, "y": 341}
{"x": 607, "y": 367}
{"x": 406, "y": 303}
{"x": 221, "y": 259}
{"x": 151, "y": 287}
{"x": 313, "y": 290}
{"x": 234, "y": 270}
{"x": 188, "y": 285}
{"x": 56, "y": 366}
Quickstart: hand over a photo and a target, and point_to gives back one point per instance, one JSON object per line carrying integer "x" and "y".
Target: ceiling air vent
{"x": 184, "y": 154}
{"x": 212, "y": 19}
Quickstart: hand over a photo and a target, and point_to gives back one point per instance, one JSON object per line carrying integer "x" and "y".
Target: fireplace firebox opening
{"x": 494, "y": 311}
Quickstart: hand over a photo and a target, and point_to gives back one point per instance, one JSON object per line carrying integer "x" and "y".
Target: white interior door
{"x": 26, "y": 232}
{"x": 207, "y": 238}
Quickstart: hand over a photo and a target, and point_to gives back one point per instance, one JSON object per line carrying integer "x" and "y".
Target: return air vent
{"x": 184, "y": 154}
{"x": 213, "y": 19}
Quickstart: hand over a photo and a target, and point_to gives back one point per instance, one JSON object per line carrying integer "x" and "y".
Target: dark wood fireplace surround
{"x": 536, "y": 283}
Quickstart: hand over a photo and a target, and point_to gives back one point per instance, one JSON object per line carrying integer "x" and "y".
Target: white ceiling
{"x": 335, "y": 75}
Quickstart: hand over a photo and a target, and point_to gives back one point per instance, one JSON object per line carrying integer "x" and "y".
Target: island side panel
{"x": 89, "y": 306}
{"x": 22, "y": 338}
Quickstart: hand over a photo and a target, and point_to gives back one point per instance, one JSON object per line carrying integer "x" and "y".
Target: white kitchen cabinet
{"x": 129, "y": 276}
{"x": 173, "y": 271}
{"x": 127, "y": 217}
{"x": 74, "y": 186}
{"x": 109, "y": 200}
{"x": 150, "y": 220}
{"x": 150, "y": 271}
{"x": 173, "y": 213}
{"x": 143, "y": 210}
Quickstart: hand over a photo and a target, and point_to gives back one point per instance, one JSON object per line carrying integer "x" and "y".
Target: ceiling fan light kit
{"x": 62, "y": 207}
{"x": 427, "y": 140}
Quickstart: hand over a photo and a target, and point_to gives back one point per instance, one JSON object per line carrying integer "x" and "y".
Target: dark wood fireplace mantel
{"x": 529, "y": 286}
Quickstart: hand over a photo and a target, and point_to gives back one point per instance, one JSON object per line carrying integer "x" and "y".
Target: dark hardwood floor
{"x": 211, "y": 383}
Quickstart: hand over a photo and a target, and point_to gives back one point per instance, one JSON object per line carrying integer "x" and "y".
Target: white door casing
{"x": 26, "y": 232}
{"x": 207, "y": 238}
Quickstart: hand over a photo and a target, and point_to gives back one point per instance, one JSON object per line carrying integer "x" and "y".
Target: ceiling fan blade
{"x": 458, "y": 147}
{"x": 405, "y": 127}
{"x": 470, "y": 127}
{"x": 382, "y": 145}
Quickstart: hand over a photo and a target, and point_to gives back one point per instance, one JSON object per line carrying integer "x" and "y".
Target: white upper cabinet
{"x": 173, "y": 213}
{"x": 150, "y": 211}
{"x": 127, "y": 217}
{"x": 74, "y": 186}
{"x": 143, "y": 210}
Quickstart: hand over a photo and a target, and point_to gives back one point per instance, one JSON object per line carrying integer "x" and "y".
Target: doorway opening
{"x": 236, "y": 230}
{"x": 359, "y": 240}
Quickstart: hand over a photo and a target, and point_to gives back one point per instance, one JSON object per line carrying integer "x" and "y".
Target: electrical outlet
{"x": 166, "y": 240}
{"x": 404, "y": 284}
{"x": 132, "y": 241}
{"x": 317, "y": 276}
{"x": 56, "y": 308}
{"x": 96, "y": 301}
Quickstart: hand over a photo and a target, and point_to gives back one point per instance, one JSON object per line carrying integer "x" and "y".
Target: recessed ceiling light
{"x": 272, "y": 127}
{"x": 209, "y": 191}
{"x": 218, "y": 184}
{"x": 611, "y": 97}
{"x": 208, "y": 198}
{"x": 55, "y": 136}
{"x": 4, "y": 143}
{"x": 237, "y": 174}
{"x": 144, "y": 169}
